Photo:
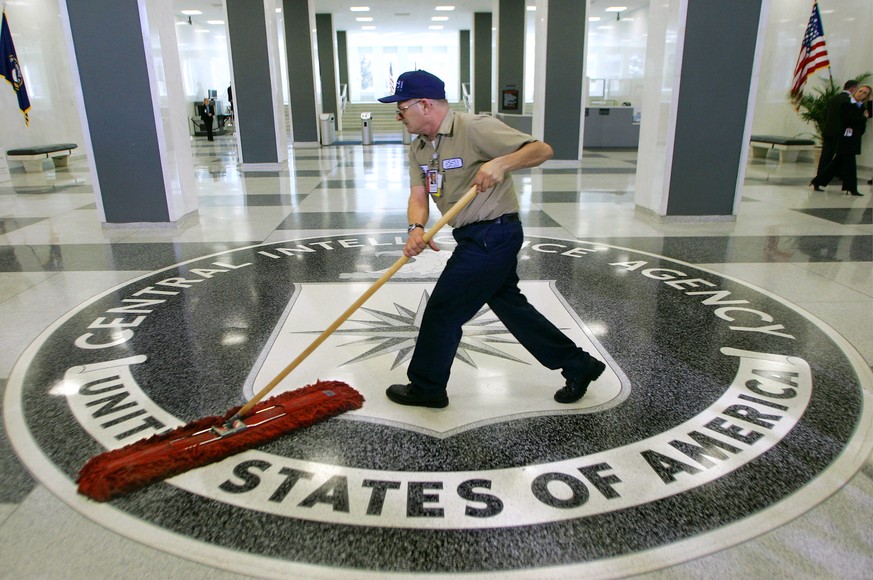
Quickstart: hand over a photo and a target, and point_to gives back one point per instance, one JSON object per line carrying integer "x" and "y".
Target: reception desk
{"x": 610, "y": 127}
{"x": 523, "y": 123}
{"x": 604, "y": 127}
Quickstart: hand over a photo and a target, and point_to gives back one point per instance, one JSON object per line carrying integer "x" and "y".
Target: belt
{"x": 504, "y": 219}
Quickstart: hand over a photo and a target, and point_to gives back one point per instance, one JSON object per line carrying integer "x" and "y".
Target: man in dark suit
{"x": 207, "y": 114}
{"x": 833, "y": 127}
{"x": 853, "y": 121}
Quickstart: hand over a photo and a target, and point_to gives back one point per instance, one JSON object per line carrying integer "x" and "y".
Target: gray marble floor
{"x": 800, "y": 508}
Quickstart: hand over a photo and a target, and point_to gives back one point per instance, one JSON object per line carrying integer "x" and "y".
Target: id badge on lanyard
{"x": 433, "y": 178}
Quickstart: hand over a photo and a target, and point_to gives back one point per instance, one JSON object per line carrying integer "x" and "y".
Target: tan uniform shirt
{"x": 464, "y": 142}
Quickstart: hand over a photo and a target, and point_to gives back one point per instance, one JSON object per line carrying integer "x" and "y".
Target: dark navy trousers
{"x": 482, "y": 270}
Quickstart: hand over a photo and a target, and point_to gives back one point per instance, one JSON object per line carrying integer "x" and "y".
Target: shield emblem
{"x": 493, "y": 378}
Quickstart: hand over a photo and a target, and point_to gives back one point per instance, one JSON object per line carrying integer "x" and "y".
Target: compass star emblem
{"x": 397, "y": 333}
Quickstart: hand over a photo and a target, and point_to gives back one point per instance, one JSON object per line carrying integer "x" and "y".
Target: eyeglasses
{"x": 402, "y": 110}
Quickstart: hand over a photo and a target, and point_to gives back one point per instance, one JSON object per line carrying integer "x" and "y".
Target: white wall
{"x": 41, "y": 49}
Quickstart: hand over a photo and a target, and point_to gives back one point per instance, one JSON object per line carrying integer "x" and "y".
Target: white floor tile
{"x": 44, "y": 538}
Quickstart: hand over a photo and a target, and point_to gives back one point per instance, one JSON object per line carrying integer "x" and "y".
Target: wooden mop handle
{"x": 428, "y": 235}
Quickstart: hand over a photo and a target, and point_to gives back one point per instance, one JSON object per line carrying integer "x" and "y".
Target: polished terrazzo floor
{"x": 802, "y": 254}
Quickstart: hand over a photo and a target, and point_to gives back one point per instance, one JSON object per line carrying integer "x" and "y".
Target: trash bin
{"x": 366, "y": 131}
{"x": 328, "y": 129}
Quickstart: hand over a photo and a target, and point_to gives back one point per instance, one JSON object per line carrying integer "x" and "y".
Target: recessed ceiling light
{"x": 360, "y": 8}
{"x": 215, "y": 22}
{"x": 364, "y": 19}
{"x": 446, "y": 8}
{"x": 435, "y": 27}
{"x": 439, "y": 18}
{"x": 191, "y": 12}
{"x": 594, "y": 19}
{"x": 616, "y": 9}
{"x": 531, "y": 8}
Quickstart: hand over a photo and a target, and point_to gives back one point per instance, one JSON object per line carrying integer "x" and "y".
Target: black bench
{"x": 789, "y": 147}
{"x": 32, "y": 157}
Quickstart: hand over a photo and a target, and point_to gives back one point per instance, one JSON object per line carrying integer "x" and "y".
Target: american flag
{"x": 813, "y": 55}
{"x": 390, "y": 78}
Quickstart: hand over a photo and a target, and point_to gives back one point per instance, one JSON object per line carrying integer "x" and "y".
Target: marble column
{"x": 559, "y": 102}
{"x": 464, "y": 58}
{"x": 257, "y": 84}
{"x": 326, "y": 42}
{"x": 299, "y": 21}
{"x": 510, "y": 56}
{"x": 134, "y": 114}
{"x": 697, "y": 107}
{"x": 483, "y": 41}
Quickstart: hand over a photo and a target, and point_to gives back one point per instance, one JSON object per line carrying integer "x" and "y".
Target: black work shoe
{"x": 575, "y": 388}
{"x": 412, "y": 395}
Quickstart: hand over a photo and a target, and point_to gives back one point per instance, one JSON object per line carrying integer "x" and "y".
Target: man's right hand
{"x": 415, "y": 244}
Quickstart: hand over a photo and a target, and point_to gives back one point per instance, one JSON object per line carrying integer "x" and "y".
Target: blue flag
{"x": 10, "y": 68}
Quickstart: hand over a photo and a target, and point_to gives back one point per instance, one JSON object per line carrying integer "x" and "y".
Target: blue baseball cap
{"x": 416, "y": 84}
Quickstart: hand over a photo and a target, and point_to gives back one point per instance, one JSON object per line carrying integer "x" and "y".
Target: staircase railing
{"x": 465, "y": 97}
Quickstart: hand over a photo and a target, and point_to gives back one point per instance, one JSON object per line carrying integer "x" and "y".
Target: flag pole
{"x": 830, "y": 74}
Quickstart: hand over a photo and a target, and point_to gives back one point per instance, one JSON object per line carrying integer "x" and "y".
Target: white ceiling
{"x": 407, "y": 16}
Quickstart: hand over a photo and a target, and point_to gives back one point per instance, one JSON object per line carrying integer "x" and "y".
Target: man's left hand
{"x": 489, "y": 175}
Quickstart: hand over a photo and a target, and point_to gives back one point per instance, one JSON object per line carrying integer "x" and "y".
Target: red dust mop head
{"x": 211, "y": 439}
